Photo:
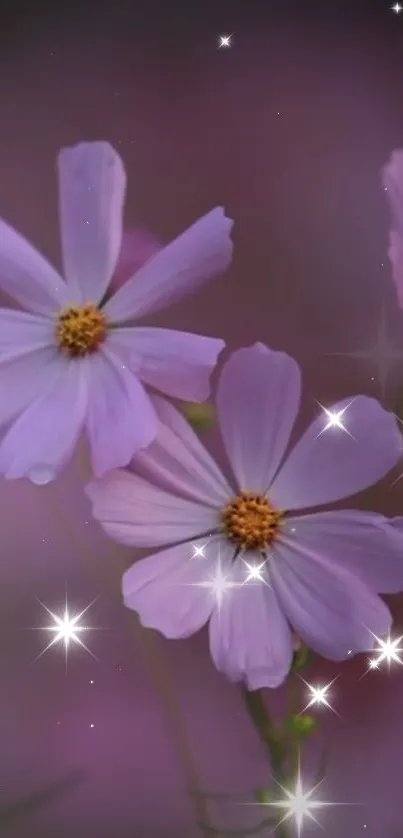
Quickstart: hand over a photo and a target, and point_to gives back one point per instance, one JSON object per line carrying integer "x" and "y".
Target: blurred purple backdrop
{"x": 288, "y": 130}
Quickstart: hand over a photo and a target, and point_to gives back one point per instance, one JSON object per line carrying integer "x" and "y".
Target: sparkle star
{"x": 319, "y": 695}
{"x": 219, "y": 584}
{"x": 299, "y": 803}
{"x": 66, "y": 628}
{"x": 397, "y": 8}
{"x": 198, "y": 551}
{"x": 255, "y": 572}
{"x": 334, "y": 419}
{"x": 388, "y": 650}
{"x": 224, "y": 41}
{"x": 382, "y": 354}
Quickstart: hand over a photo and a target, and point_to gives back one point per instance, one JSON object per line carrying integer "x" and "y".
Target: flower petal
{"x": 22, "y": 379}
{"x": 201, "y": 252}
{"x": 257, "y": 400}
{"x": 176, "y": 363}
{"x": 327, "y": 465}
{"x": 165, "y": 591}
{"x": 178, "y": 461}
{"x": 395, "y": 254}
{"x": 21, "y": 333}
{"x": 330, "y": 609}
{"x": 92, "y": 184}
{"x": 138, "y": 246}
{"x": 362, "y": 543}
{"x": 27, "y": 277}
{"x": 175, "y": 420}
{"x": 249, "y": 636}
{"x": 392, "y": 177}
{"x": 136, "y": 513}
{"x": 43, "y": 437}
{"x": 120, "y": 419}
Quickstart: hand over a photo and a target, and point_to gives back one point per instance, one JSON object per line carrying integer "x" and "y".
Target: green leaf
{"x": 200, "y": 416}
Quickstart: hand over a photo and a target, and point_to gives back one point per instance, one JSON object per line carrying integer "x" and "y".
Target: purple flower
{"x": 392, "y": 177}
{"x": 138, "y": 246}
{"x": 316, "y": 573}
{"x": 71, "y": 361}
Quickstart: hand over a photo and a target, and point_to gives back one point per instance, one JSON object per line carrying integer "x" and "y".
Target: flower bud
{"x": 262, "y": 796}
{"x": 301, "y": 657}
{"x": 302, "y": 725}
{"x": 200, "y": 416}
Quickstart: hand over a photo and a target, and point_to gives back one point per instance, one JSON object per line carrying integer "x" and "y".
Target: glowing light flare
{"x": 383, "y": 354}
{"x": 219, "y": 583}
{"x": 224, "y": 41}
{"x": 299, "y": 803}
{"x": 397, "y": 8}
{"x": 319, "y": 695}
{"x": 388, "y": 651}
{"x": 255, "y": 572}
{"x": 66, "y": 629}
{"x": 334, "y": 419}
{"x": 198, "y": 551}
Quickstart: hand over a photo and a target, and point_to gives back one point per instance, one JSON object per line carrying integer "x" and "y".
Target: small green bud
{"x": 301, "y": 657}
{"x": 302, "y": 725}
{"x": 262, "y": 796}
{"x": 200, "y": 416}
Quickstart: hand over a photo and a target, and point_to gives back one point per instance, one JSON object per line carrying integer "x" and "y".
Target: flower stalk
{"x": 282, "y": 742}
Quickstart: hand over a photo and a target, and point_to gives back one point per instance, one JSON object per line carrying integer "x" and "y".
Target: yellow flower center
{"x": 80, "y": 330}
{"x": 250, "y": 522}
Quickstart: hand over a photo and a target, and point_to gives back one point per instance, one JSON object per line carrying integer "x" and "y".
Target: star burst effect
{"x": 334, "y": 419}
{"x": 388, "y": 651}
{"x": 299, "y": 803}
{"x": 383, "y": 353}
{"x": 220, "y": 581}
{"x": 198, "y": 551}
{"x": 319, "y": 695}
{"x": 397, "y": 8}
{"x": 255, "y": 572}
{"x": 224, "y": 41}
{"x": 66, "y": 628}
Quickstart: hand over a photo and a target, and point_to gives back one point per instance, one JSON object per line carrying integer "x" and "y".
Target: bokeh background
{"x": 288, "y": 129}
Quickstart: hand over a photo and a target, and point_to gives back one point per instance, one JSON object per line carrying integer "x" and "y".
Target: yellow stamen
{"x": 80, "y": 330}
{"x": 250, "y": 521}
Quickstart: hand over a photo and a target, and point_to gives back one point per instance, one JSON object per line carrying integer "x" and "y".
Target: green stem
{"x": 270, "y": 736}
{"x": 153, "y": 650}
{"x": 292, "y": 710}
{"x": 273, "y": 741}
{"x": 161, "y": 676}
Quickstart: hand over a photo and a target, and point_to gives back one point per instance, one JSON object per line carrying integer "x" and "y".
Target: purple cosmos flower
{"x": 138, "y": 246}
{"x": 277, "y": 569}
{"x": 71, "y": 361}
{"x": 392, "y": 177}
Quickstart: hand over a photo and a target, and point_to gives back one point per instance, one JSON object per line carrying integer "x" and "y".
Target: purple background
{"x": 288, "y": 130}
